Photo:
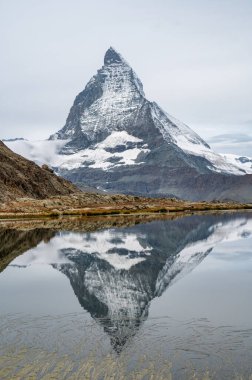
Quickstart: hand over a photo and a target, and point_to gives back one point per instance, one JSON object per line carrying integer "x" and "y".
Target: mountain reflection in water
{"x": 116, "y": 273}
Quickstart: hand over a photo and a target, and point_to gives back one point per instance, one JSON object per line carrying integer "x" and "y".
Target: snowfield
{"x": 99, "y": 156}
{"x": 243, "y": 162}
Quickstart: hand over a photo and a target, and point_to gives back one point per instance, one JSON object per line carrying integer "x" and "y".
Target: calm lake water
{"x": 169, "y": 299}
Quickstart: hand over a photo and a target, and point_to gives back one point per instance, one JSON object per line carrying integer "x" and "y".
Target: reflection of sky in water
{"x": 36, "y": 290}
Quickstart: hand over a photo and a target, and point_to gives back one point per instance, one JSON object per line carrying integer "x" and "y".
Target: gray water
{"x": 167, "y": 299}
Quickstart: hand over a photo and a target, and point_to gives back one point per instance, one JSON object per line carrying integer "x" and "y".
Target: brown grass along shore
{"x": 91, "y": 204}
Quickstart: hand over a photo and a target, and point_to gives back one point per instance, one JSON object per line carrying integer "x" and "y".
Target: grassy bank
{"x": 86, "y": 204}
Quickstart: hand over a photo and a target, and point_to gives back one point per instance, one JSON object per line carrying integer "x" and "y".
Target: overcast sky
{"x": 193, "y": 57}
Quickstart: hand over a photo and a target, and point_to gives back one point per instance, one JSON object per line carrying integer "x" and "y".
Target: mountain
{"x": 116, "y": 273}
{"x": 20, "y": 177}
{"x": 117, "y": 140}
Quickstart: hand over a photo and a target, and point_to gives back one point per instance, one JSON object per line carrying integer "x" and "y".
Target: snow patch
{"x": 99, "y": 158}
{"x": 220, "y": 163}
{"x": 242, "y": 162}
{"x": 118, "y": 138}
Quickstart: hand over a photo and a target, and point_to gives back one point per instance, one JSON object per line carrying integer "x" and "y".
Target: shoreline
{"x": 126, "y": 210}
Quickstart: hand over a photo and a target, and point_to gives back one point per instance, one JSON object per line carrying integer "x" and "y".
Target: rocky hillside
{"x": 20, "y": 177}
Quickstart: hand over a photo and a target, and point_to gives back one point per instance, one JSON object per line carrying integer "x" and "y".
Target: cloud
{"x": 236, "y": 143}
{"x": 231, "y": 138}
{"x": 41, "y": 151}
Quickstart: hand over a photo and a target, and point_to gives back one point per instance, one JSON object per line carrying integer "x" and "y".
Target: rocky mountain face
{"x": 20, "y": 177}
{"x": 117, "y": 140}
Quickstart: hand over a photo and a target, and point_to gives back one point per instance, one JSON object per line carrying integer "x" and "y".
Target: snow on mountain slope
{"x": 119, "y": 93}
{"x": 101, "y": 156}
{"x": 48, "y": 152}
{"x": 243, "y": 162}
{"x": 186, "y": 139}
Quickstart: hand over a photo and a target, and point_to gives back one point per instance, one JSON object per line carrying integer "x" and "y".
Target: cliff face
{"x": 23, "y": 178}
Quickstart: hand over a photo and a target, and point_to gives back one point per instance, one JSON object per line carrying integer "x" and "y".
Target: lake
{"x": 127, "y": 298}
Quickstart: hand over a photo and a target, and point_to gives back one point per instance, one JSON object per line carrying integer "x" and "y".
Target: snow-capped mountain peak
{"x": 108, "y": 103}
{"x": 112, "y": 56}
{"x": 114, "y": 101}
{"x": 157, "y": 154}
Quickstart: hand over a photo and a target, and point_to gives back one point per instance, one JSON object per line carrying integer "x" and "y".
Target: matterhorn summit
{"x": 119, "y": 141}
